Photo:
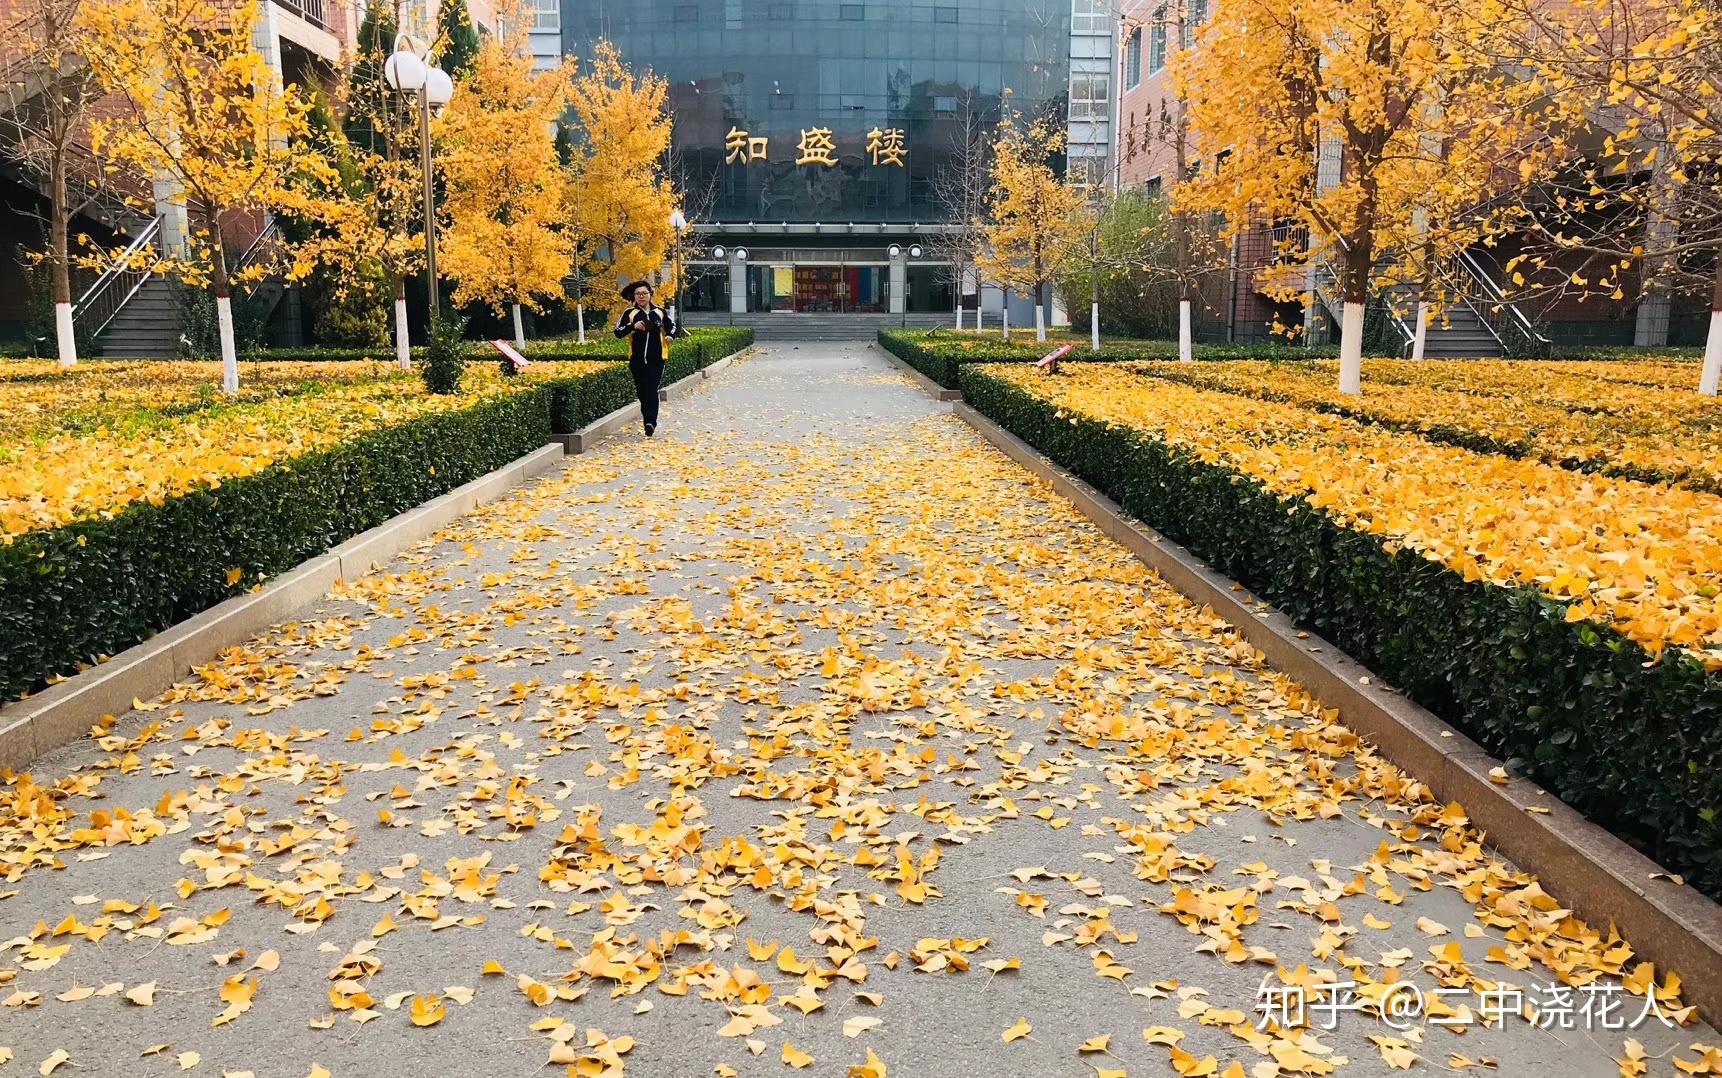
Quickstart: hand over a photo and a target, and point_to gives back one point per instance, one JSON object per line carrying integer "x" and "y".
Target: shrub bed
{"x": 102, "y": 579}
{"x": 939, "y": 353}
{"x": 1629, "y": 734}
{"x": 1638, "y": 420}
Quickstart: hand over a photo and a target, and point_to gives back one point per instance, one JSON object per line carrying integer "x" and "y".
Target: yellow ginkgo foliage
{"x": 505, "y": 245}
{"x": 1368, "y": 127}
{"x": 618, "y": 200}
{"x": 1033, "y": 215}
{"x": 205, "y": 111}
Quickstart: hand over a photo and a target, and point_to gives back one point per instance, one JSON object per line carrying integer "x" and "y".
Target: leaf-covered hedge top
{"x": 1638, "y": 418}
{"x": 176, "y": 438}
{"x": 1645, "y": 559}
{"x": 987, "y": 346}
{"x": 600, "y": 344}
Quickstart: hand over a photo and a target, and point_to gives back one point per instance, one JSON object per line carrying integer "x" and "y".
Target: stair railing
{"x": 1511, "y": 327}
{"x": 116, "y": 286}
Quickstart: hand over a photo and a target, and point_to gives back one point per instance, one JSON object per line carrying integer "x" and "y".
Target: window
{"x": 781, "y": 9}
{"x": 1152, "y": 187}
{"x": 944, "y": 14}
{"x": 1133, "y": 59}
{"x": 853, "y": 12}
{"x": 1088, "y": 96}
{"x": 687, "y": 13}
{"x": 547, "y": 15}
{"x": 944, "y": 105}
{"x": 1157, "y": 42}
{"x": 1090, "y": 17}
{"x": 1195, "y": 14}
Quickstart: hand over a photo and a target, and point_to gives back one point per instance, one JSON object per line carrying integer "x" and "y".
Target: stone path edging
{"x": 65, "y": 711}
{"x": 1600, "y": 876}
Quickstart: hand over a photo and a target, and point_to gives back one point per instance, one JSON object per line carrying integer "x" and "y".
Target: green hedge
{"x": 1636, "y": 745}
{"x": 939, "y": 354}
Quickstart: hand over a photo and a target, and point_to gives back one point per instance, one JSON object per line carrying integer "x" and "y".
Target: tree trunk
{"x": 403, "y": 346}
{"x": 1355, "y": 293}
{"x": 1094, "y": 288}
{"x": 1661, "y": 231}
{"x": 580, "y": 319}
{"x": 60, "y": 263}
{"x": 519, "y": 333}
{"x": 224, "y": 310}
{"x": 1713, "y": 343}
{"x": 1420, "y": 341}
{"x": 1004, "y": 327}
{"x": 1039, "y": 305}
{"x": 1180, "y": 222}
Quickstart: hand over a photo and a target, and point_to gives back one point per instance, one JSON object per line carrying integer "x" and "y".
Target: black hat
{"x": 628, "y": 292}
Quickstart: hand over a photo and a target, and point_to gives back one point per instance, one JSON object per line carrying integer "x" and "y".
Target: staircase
{"x": 1457, "y": 333}
{"x": 775, "y": 326}
{"x": 147, "y": 326}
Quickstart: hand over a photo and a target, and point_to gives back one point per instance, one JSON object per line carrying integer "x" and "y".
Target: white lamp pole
{"x": 679, "y": 224}
{"x": 407, "y": 73}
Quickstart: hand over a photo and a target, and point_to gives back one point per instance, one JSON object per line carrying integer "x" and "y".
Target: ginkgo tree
{"x": 206, "y": 111}
{"x": 1033, "y": 215}
{"x": 1368, "y": 125}
{"x": 617, "y": 198}
{"x": 1636, "y": 214}
{"x": 505, "y": 245}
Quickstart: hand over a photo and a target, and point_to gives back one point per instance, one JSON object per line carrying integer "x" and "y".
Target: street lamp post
{"x": 914, "y": 252}
{"x": 678, "y": 223}
{"x": 407, "y": 73}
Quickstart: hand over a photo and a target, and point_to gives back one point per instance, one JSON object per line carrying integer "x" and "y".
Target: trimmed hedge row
{"x": 70, "y": 595}
{"x": 710, "y": 343}
{"x": 1447, "y": 434}
{"x": 939, "y": 354}
{"x": 1636, "y": 745}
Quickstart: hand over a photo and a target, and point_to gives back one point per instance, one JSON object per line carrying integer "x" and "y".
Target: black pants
{"x": 647, "y": 374}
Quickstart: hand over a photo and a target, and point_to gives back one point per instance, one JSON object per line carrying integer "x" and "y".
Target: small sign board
{"x": 520, "y": 362}
{"x": 1049, "y": 362}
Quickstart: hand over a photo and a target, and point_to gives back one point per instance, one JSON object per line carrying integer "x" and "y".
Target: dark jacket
{"x": 646, "y": 347}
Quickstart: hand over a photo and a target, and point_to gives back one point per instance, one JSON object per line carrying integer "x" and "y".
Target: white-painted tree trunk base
{"x": 1421, "y": 341}
{"x": 1094, "y": 325}
{"x": 1351, "y": 349}
{"x": 519, "y": 333}
{"x": 959, "y": 316}
{"x": 403, "y": 346}
{"x": 1004, "y": 325}
{"x": 977, "y": 316}
{"x": 67, "y": 338}
{"x": 229, "y": 354}
{"x": 1039, "y": 321}
{"x": 1186, "y": 333}
{"x": 1712, "y": 356}
{"x": 580, "y": 320}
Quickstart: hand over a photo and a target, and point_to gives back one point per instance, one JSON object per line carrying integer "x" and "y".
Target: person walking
{"x": 649, "y": 328}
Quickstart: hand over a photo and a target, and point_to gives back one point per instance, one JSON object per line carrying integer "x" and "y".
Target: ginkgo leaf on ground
{"x": 1018, "y": 1031}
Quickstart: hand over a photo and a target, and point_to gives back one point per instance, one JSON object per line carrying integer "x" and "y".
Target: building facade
{"x": 811, "y": 136}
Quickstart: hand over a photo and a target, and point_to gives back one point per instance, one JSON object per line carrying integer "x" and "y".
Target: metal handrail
{"x": 1499, "y": 313}
{"x": 270, "y": 232}
{"x": 117, "y": 284}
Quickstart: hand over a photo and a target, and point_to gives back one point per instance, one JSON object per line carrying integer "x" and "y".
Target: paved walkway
{"x": 812, "y": 734}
